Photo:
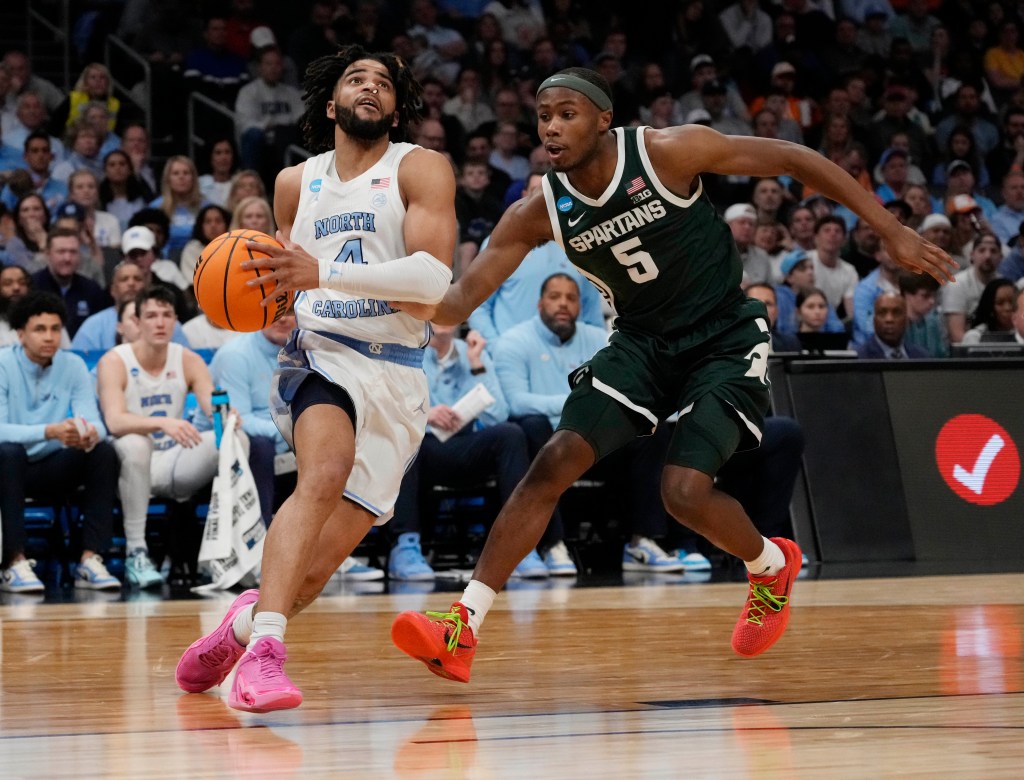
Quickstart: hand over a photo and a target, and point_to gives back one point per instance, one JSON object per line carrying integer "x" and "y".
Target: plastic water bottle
{"x": 220, "y": 402}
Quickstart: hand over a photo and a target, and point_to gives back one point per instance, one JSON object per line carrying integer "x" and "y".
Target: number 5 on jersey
{"x": 639, "y": 264}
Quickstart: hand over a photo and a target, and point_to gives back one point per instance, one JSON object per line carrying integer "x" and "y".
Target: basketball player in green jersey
{"x": 628, "y": 207}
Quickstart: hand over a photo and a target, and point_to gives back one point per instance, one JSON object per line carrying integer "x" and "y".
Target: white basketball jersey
{"x": 357, "y": 221}
{"x": 155, "y": 396}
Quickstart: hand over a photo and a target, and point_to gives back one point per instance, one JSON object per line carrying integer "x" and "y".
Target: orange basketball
{"x": 220, "y": 284}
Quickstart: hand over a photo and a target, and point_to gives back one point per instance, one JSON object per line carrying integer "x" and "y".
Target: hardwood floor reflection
{"x": 911, "y": 677}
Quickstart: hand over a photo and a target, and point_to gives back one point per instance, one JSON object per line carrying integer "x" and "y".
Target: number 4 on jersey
{"x": 351, "y": 252}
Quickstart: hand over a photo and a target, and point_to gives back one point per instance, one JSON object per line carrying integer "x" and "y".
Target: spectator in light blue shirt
{"x": 534, "y": 360}
{"x": 884, "y": 279}
{"x": 244, "y": 367}
{"x": 515, "y": 300}
{"x": 10, "y": 159}
{"x": 99, "y": 332}
{"x": 38, "y": 158}
{"x": 1007, "y": 220}
{"x": 472, "y": 450}
{"x": 50, "y": 425}
{"x": 1012, "y": 266}
{"x": 797, "y": 274}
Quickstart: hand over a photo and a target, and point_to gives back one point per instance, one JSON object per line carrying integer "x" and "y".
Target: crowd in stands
{"x": 101, "y": 224}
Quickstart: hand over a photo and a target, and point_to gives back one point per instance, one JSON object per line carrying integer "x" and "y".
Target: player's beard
{"x": 362, "y": 129}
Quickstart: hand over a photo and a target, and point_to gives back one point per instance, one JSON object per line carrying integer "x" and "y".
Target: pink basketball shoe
{"x": 260, "y": 683}
{"x": 209, "y": 659}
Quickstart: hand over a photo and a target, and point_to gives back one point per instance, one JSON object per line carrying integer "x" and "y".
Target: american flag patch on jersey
{"x": 380, "y": 184}
{"x": 636, "y": 185}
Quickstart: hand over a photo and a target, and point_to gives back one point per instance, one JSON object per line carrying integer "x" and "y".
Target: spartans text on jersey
{"x": 618, "y": 227}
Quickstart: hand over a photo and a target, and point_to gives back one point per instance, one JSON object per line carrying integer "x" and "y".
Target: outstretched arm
{"x": 679, "y": 154}
{"x": 524, "y": 226}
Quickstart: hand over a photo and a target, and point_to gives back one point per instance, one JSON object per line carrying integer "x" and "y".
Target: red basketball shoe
{"x": 766, "y": 613}
{"x": 441, "y": 640}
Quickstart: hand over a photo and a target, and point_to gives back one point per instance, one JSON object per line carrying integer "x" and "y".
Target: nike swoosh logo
{"x": 459, "y": 645}
{"x": 574, "y": 222}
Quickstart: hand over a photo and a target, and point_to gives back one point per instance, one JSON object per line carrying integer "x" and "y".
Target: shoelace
{"x": 94, "y": 565}
{"x": 141, "y": 562}
{"x": 456, "y": 620}
{"x": 272, "y": 666}
{"x": 761, "y": 600}
{"x": 410, "y": 556}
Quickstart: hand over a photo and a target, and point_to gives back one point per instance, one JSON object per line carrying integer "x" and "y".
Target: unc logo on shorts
{"x": 134, "y": 371}
{"x": 564, "y": 204}
{"x": 379, "y": 200}
{"x": 314, "y": 186}
{"x": 376, "y": 348}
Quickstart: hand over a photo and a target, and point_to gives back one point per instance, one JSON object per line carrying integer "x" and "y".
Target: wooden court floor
{"x": 914, "y": 677}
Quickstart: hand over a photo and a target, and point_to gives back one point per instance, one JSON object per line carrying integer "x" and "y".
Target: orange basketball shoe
{"x": 442, "y": 640}
{"x": 766, "y": 613}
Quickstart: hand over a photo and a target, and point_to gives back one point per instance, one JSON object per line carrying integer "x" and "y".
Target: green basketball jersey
{"x": 663, "y": 261}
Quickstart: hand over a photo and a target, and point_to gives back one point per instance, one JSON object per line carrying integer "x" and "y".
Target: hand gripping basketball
{"x": 284, "y": 263}
{"x": 233, "y": 294}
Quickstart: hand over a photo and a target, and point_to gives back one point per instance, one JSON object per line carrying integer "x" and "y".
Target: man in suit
{"x": 890, "y": 326}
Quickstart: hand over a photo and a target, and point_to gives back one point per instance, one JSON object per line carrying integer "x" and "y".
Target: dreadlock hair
{"x": 322, "y": 76}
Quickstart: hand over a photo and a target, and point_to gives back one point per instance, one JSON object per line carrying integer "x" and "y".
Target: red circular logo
{"x": 978, "y": 459}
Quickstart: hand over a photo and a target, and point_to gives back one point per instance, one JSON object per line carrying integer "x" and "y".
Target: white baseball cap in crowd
{"x": 934, "y": 220}
{"x": 138, "y": 237}
{"x": 740, "y": 211}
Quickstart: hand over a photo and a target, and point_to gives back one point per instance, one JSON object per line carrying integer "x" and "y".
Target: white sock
{"x": 770, "y": 561}
{"x": 242, "y": 625}
{"x": 477, "y": 599}
{"x": 135, "y": 535}
{"x": 266, "y": 624}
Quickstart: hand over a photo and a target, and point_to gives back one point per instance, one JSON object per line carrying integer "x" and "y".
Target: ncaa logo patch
{"x": 314, "y": 186}
{"x": 379, "y": 200}
{"x": 564, "y": 204}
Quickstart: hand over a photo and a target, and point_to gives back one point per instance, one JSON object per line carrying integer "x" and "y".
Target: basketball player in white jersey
{"x": 364, "y": 222}
{"x": 142, "y": 387}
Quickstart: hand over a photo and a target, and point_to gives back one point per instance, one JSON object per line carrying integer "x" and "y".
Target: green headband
{"x": 567, "y": 80}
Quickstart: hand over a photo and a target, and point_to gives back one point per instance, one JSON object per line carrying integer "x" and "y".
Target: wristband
{"x": 478, "y": 371}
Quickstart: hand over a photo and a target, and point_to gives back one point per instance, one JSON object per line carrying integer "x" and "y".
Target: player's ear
{"x": 330, "y": 109}
{"x": 394, "y": 122}
{"x": 604, "y": 121}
